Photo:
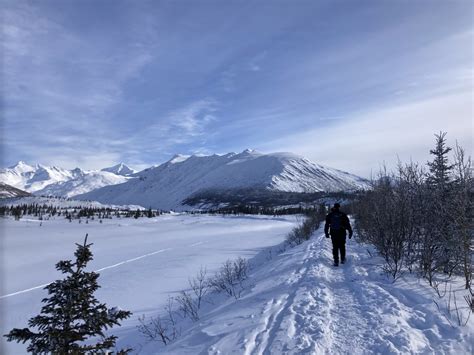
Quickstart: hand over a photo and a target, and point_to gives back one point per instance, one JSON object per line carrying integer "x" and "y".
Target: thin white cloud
{"x": 361, "y": 143}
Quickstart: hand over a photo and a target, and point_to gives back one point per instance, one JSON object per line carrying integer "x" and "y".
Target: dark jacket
{"x": 337, "y": 223}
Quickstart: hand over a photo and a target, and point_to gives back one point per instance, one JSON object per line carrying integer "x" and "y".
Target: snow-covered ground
{"x": 295, "y": 301}
{"x": 298, "y": 303}
{"x": 141, "y": 261}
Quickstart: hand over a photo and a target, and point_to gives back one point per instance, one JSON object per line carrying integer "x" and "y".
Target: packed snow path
{"x": 301, "y": 304}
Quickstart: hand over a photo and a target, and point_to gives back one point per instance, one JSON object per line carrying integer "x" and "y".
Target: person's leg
{"x": 335, "y": 249}
{"x": 343, "y": 251}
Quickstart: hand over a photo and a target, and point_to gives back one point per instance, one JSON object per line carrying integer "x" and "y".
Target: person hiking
{"x": 336, "y": 225}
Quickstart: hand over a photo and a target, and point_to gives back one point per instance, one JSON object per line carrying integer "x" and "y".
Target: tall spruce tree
{"x": 439, "y": 244}
{"x": 71, "y": 315}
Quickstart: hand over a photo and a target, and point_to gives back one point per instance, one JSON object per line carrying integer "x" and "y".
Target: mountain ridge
{"x": 52, "y": 180}
{"x": 169, "y": 184}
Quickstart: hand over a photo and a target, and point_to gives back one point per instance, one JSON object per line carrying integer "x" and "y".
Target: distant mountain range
{"x": 51, "y": 180}
{"x": 183, "y": 180}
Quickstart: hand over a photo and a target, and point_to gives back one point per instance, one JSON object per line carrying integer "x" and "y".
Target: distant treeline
{"x": 261, "y": 199}
{"x": 260, "y": 210}
{"x": 44, "y": 212}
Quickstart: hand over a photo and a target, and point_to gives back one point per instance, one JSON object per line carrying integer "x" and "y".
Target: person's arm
{"x": 326, "y": 226}
{"x": 349, "y": 228}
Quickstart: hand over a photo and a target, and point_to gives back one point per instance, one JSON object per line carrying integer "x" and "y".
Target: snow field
{"x": 140, "y": 261}
{"x": 295, "y": 301}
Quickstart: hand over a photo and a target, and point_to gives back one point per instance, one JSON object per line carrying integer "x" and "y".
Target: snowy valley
{"x": 257, "y": 280}
{"x": 293, "y": 301}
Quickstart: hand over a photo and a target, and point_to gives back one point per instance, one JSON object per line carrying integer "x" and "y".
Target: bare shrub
{"x": 199, "y": 285}
{"x": 230, "y": 277}
{"x": 461, "y": 314}
{"x": 187, "y": 305}
{"x": 303, "y": 232}
{"x": 160, "y": 328}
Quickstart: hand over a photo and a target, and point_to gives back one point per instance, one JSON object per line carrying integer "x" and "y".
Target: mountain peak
{"x": 22, "y": 167}
{"x": 178, "y": 158}
{"x": 194, "y": 177}
{"x": 120, "y": 169}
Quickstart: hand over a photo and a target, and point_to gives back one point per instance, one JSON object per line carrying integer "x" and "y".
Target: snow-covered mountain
{"x": 169, "y": 184}
{"x": 53, "y": 180}
{"x": 7, "y": 191}
{"x": 33, "y": 178}
{"x": 88, "y": 181}
{"x": 120, "y": 169}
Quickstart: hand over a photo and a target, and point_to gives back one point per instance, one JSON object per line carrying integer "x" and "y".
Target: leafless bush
{"x": 160, "y": 328}
{"x": 461, "y": 314}
{"x": 187, "y": 305}
{"x": 230, "y": 277}
{"x": 470, "y": 300}
{"x": 297, "y": 236}
{"x": 199, "y": 285}
{"x": 303, "y": 232}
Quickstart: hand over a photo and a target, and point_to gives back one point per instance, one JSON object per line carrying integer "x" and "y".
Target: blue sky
{"x": 349, "y": 84}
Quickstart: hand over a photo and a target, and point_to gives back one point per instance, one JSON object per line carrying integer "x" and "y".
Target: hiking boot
{"x": 343, "y": 261}
{"x": 336, "y": 263}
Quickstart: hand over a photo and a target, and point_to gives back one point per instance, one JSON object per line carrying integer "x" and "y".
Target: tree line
{"x": 420, "y": 217}
{"x": 43, "y": 211}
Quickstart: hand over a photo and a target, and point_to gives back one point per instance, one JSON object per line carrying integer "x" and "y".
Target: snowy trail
{"x": 301, "y": 304}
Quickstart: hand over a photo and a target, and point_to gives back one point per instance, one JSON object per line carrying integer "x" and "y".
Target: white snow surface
{"x": 141, "y": 261}
{"x": 167, "y": 185}
{"x": 82, "y": 184}
{"x": 53, "y": 180}
{"x": 295, "y": 301}
{"x": 34, "y": 178}
{"x": 298, "y": 303}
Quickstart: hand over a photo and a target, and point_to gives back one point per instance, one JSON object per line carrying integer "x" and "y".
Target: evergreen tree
{"x": 71, "y": 314}
{"x": 150, "y": 213}
{"x": 440, "y": 169}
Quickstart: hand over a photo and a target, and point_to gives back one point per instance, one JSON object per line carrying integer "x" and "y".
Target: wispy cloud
{"x": 90, "y": 82}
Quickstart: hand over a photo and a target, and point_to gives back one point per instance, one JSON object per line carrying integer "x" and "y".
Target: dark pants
{"x": 338, "y": 246}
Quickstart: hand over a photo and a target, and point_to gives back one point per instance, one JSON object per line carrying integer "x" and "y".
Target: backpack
{"x": 337, "y": 221}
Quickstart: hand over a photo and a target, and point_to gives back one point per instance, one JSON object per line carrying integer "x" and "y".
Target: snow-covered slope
{"x": 34, "y": 178}
{"x": 167, "y": 185}
{"x": 7, "y": 191}
{"x": 83, "y": 183}
{"x": 120, "y": 169}
{"x": 52, "y": 180}
{"x": 298, "y": 303}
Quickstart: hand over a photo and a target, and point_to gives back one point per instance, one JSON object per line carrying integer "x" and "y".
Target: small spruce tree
{"x": 440, "y": 169}
{"x": 71, "y": 314}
